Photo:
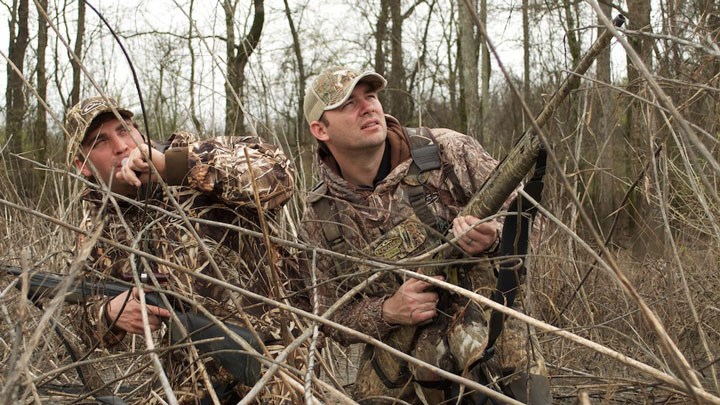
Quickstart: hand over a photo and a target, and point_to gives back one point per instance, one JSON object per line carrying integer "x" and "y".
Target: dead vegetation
{"x": 627, "y": 264}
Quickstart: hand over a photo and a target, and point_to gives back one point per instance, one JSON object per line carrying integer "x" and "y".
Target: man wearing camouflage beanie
{"x": 218, "y": 184}
{"x": 386, "y": 191}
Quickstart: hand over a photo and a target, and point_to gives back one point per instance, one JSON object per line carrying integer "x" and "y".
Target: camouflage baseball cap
{"x": 333, "y": 86}
{"x": 79, "y": 118}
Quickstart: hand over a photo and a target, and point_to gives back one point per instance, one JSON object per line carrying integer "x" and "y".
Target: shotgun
{"x": 228, "y": 353}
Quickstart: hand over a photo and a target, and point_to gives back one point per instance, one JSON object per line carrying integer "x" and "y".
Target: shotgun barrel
{"x": 244, "y": 366}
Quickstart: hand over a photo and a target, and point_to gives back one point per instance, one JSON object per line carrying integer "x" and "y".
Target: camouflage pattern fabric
{"x": 333, "y": 86}
{"x": 366, "y": 215}
{"x": 81, "y": 115}
{"x": 219, "y": 189}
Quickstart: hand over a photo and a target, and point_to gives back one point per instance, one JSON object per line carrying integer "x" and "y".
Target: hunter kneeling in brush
{"x": 188, "y": 239}
{"x": 387, "y": 192}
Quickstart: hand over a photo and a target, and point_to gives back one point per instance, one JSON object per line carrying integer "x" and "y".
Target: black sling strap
{"x": 425, "y": 156}
{"x": 515, "y": 241}
{"x": 330, "y": 228}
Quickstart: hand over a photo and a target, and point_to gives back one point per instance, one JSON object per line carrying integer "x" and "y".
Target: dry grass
{"x": 670, "y": 260}
{"x": 600, "y": 312}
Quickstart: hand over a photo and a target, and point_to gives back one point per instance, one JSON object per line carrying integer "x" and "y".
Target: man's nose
{"x": 367, "y": 106}
{"x": 119, "y": 145}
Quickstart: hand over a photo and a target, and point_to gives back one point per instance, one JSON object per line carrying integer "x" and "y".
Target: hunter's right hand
{"x": 130, "y": 319}
{"x": 411, "y": 304}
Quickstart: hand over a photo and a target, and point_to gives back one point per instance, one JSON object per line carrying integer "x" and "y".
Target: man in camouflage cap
{"x": 81, "y": 116}
{"x": 217, "y": 183}
{"x": 386, "y": 190}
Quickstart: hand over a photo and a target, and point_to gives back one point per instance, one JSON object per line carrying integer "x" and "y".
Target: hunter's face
{"x": 106, "y": 147}
{"x": 357, "y": 125}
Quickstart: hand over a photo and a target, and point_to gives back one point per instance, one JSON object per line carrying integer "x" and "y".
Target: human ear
{"x": 319, "y": 131}
{"x": 83, "y": 167}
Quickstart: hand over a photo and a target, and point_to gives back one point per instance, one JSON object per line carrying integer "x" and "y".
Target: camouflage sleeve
{"x": 363, "y": 313}
{"x": 90, "y": 317}
{"x": 234, "y": 169}
{"x": 95, "y": 327}
{"x": 472, "y": 165}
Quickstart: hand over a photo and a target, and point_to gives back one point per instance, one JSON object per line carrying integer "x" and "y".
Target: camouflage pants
{"x": 452, "y": 345}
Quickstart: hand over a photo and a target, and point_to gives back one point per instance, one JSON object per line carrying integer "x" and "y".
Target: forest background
{"x": 632, "y": 240}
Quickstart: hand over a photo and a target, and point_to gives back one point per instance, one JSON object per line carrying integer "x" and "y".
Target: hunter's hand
{"x": 475, "y": 237}
{"x": 135, "y": 168}
{"x": 411, "y": 304}
{"x": 130, "y": 320}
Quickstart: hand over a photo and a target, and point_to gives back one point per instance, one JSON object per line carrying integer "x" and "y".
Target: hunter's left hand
{"x": 135, "y": 168}
{"x": 476, "y": 237}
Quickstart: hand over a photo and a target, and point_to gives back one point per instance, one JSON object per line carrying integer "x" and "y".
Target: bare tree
{"x": 40, "y": 137}
{"x": 602, "y": 128}
{"x": 484, "y": 75}
{"x": 397, "y": 97}
{"x": 571, "y": 32}
{"x": 238, "y": 55}
{"x": 191, "y": 52}
{"x": 381, "y": 37}
{"x": 526, "y": 47}
{"x": 14, "y": 97}
{"x": 468, "y": 64}
{"x": 453, "y": 48}
{"x": 300, "y": 128}
{"x": 78, "y": 47}
{"x": 642, "y": 222}
{"x": 421, "y": 61}
{"x": 398, "y": 100}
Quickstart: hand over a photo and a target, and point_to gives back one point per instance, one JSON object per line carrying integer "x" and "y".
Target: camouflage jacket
{"x": 365, "y": 214}
{"x": 218, "y": 195}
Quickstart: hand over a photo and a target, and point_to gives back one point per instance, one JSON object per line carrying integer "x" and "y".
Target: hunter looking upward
{"x": 373, "y": 201}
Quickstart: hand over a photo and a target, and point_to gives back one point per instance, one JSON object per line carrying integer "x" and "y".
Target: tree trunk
{"x": 453, "y": 48}
{"x": 238, "y": 56}
{"x": 571, "y": 34}
{"x": 642, "y": 223}
{"x": 39, "y": 133}
{"x": 605, "y": 144}
{"x": 75, "y": 93}
{"x": 526, "y": 48}
{"x": 193, "y": 113}
{"x": 397, "y": 93}
{"x": 300, "y": 127}
{"x": 484, "y": 76}
{"x": 40, "y": 138}
{"x": 14, "y": 97}
{"x": 381, "y": 37}
{"x": 420, "y": 64}
{"x": 469, "y": 45}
